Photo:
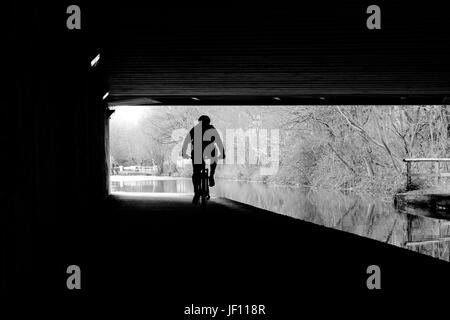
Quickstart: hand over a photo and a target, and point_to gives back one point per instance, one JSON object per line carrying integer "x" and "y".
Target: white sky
{"x": 128, "y": 114}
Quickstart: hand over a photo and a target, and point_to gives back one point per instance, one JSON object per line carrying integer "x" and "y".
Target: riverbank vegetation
{"x": 333, "y": 147}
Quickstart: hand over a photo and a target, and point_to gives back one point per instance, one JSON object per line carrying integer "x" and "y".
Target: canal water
{"x": 359, "y": 214}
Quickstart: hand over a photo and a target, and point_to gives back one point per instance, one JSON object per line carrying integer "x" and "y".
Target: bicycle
{"x": 204, "y": 186}
{"x": 204, "y": 183}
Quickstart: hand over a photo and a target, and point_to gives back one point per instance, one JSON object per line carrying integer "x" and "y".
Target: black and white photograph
{"x": 229, "y": 160}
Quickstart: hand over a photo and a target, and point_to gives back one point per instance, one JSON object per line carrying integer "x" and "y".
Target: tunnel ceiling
{"x": 234, "y": 54}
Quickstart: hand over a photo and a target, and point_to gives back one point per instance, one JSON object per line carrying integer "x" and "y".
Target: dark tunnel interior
{"x": 55, "y": 127}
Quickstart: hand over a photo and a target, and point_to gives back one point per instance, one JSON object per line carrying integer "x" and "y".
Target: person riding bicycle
{"x": 205, "y": 144}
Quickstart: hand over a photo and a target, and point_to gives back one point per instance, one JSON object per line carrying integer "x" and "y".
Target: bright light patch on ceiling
{"x": 95, "y": 60}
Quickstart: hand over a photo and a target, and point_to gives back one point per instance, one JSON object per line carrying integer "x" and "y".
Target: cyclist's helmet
{"x": 204, "y": 119}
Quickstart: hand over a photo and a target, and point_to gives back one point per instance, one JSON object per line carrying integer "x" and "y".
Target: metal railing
{"x": 437, "y": 174}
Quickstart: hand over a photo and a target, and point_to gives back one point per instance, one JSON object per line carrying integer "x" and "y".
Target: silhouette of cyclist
{"x": 205, "y": 144}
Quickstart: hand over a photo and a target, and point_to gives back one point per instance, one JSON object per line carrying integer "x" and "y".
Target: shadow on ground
{"x": 172, "y": 253}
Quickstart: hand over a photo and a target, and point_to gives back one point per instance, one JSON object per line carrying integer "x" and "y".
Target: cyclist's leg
{"x": 212, "y": 170}
{"x": 196, "y": 180}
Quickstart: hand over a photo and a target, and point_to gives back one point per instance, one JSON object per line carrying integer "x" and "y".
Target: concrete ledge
{"x": 428, "y": 204}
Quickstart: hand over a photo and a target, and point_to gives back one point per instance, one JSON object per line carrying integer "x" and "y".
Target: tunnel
{"x": 64, "y": 84}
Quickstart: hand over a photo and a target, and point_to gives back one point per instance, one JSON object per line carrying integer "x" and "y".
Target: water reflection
{"x": 362, "y": 215}
{"x": 166, "y": 185}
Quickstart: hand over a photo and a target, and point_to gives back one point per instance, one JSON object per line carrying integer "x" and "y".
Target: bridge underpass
{"x": 161, "y": 245}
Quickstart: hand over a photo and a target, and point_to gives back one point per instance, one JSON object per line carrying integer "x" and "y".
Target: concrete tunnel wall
{"x": 53, "y": 135}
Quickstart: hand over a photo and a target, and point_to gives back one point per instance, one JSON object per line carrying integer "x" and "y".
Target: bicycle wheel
{"x": 207, "y": 184}
{"x": 204, "y": 186}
